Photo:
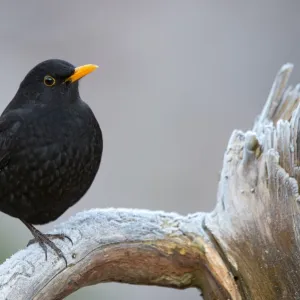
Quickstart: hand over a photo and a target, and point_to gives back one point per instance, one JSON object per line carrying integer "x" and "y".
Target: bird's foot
{"x": 44, "y": 240}
{"x": 59, "y": 236}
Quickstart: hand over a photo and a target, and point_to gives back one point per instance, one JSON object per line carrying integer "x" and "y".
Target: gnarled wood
{"x": 256, "y": 222}
{"x": 133, "y": 246}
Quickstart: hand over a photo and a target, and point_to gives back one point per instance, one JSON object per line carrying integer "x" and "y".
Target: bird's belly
{"x": 41, "y": 184}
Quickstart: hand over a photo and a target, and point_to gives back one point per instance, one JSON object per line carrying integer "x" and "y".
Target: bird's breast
{"x": 54, "y": 163}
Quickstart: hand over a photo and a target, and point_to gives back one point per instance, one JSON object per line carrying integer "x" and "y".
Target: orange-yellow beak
{"x": 81, "y": 72}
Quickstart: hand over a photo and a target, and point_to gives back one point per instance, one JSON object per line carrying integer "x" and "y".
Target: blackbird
{"x": 50, "y": 148}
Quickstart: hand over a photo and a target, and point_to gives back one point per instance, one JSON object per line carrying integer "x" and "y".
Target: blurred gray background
{"x": 175, "y": 78}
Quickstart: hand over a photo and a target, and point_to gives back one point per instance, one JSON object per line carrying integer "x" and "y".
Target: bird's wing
{"x": 9, "y": 126}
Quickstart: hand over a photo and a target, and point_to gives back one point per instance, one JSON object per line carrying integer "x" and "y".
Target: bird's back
{"x": 49, "y": 157}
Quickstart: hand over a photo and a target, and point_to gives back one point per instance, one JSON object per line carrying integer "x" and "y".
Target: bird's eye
{"x": 49, "y": 80}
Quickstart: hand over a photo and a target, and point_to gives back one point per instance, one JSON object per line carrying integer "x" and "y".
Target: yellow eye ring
{"x": 49, "y": 80}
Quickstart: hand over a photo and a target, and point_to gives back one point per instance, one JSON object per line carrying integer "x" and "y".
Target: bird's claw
{"x": 59, "y": 236}
{"x": 45, "y": 239}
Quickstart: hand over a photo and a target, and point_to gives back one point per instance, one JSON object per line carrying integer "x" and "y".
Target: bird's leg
{"x": 45, "y": 239}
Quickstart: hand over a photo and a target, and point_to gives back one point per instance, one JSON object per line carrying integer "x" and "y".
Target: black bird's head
{"x": 52, "y": 81}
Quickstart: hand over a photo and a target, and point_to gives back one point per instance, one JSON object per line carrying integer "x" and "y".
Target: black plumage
{"x": 50, "y": 147}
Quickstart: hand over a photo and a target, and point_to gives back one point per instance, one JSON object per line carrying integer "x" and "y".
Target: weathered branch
{"x": 133, "y": 246}
{"x": 247, "y": 248}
